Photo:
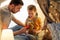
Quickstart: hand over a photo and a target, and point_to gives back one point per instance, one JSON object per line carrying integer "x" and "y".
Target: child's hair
{"x": 16, "y": 2}
{"x": 31, "y": 7}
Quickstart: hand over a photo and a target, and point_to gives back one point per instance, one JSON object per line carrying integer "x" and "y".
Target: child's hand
{"x": 35, "y": 31}
{"x": 38, "y": 31}
{"x": 22, "y": 30}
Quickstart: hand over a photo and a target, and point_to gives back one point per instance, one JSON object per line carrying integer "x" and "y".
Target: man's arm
{"x": 22, "y": 30}
{"x": 17, "y": 21}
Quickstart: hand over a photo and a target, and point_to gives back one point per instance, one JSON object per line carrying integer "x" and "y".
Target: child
{"x": 33, "y": 22}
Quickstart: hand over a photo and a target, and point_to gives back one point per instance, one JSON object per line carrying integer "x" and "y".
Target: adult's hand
{"x": 22, "y": 30}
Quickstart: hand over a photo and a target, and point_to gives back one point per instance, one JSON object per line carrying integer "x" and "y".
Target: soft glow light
{"x": 7, "y": 34}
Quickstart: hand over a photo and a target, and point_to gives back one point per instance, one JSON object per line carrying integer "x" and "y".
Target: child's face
{"x": 31, "y": 13}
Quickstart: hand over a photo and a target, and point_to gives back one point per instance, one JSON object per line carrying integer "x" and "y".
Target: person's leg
{"x": 16, "y": 27}
{"x": 21, "y": 36}
{"x": 31, "y": 37}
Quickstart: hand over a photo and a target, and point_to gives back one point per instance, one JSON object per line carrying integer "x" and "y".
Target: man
{"x": 6, "y": 16}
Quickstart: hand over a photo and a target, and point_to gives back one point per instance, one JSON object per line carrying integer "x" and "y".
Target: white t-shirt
{"x": 6, "y": 15}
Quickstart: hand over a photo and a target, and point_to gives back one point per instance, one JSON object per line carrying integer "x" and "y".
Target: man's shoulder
{"x": 4, "y": 9}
